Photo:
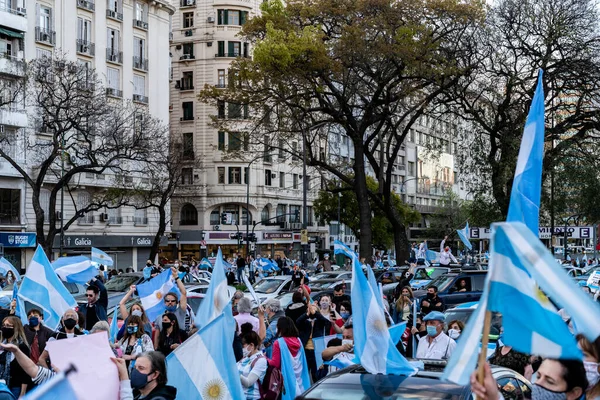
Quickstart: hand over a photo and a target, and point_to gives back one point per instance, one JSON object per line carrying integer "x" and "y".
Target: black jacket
{"x": 159, "y": 393}
{"x": 295, "y": 311}
{"x": 321, "y": 327}
{"x": 432, "y": 305}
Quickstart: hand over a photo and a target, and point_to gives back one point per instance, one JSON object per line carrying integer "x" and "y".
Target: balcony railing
{"x": 140, "y": 24}
{"x": 114, "y": 56}
{"x": 187, "y": 57}
{"x": 86, "y": 4}
{"x": 115, "y": 220}
{"x": 85, "y": 47}
{"x": 20, "y": 11}
{"x": 227, "y": 54}
{"x": 140, "y": 98}
{"x": 114, "y": 92}
{"x": 140, "y": 63}
{"x": 86, "y": 220}
{"x": 138, "y": 221}
{"x": 183, "y": 84}
{"x": 187, "y": 3}
{"x": 43, "y": 35}
{"x": 114, "y": 15}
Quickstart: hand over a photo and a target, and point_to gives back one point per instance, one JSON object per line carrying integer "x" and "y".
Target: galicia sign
{"x": 102, "y": 241}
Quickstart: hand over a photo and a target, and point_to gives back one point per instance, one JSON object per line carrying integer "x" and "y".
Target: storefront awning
{"x": 11, "y": 33}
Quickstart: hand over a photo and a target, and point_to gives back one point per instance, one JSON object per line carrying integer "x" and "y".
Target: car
{"x": 269, "y": 288}
{"x": 423, "y": 276}
{"x": 189, "y": 279}
{"x": 202, "y": 289}
{"x": 593, "y": 281}
{"x": 574, "y": 271}
{"x": 447, "y": 287}
{"x": 318, "y": 285}
{"x": 355, "y": 383}
{"x": 116, "y": 288}
{"x": 340, "y": 275}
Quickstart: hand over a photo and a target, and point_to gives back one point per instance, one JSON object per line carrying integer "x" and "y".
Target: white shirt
{"x": 440, "y": 348}
{"x": 446, "y": 256}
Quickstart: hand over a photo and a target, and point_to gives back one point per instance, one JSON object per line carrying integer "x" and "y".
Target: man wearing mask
{"x": 325, "y": 264}
{"x": 342, "y": 356}
{"x": 297, "y": 276}
{"x": 268, "y": 333}
{"x": 432, "y": 302}
{"x": 446, "y": 254}
{"x": 339, "y": 296}
{"x": 437, "y": 345}
{"x": 97, "y": 302}
{"x": 37, "y": 334}
{"x": 173, "y": 304}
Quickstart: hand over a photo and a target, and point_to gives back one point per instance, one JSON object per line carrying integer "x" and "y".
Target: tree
{"x": 366, "y": 69}
{"x": 520, "y": 38}
{"x": 77, "y": 129}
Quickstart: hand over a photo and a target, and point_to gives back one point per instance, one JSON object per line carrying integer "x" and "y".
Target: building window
{"x": 187, "y": 80}
{"x": 411, "y": 168}
{"x": 234, "y": 110}
{"x": 114, "y": 215}
{"x": 281, "y": 148}
{"x": 221, "y": 175}
{"x": 44, "y": 203}
{"x": 221, "y": 140}
{"x": 268, "y": 180}
{"x": 221, "y": 78}
{"x": 235, "y": 175}
{"x": 294, "y": 214}
{"x": 139, "y": 53}
{"x": 220, "y": 109}
{"x": 187, "y": 176}
{"x": 84, "y": 30}
{"x": 113, "y": 44}
{"x": 141, "y": 12}
{"x": 188, "y": 19}
{"x": 188, "y": 145}
{"x": 113, "y": 78}
{"x": 234, "y": 49}
{"x": 188, "y": 50}
{"x": 188, "y": 110}
{"x": 246, "y": 215}
{"x": 215, "y": 217}
{"x": 234, "y": 141}
{"x": 264, "y": 214}
{"x": 189, "y": 215}
{"x": 140, "y": 217}
{"x": 295, "y": 181}
{"x": 282, "y": 179}
{"x": 44, "y": 17}
{"x": 231, "y": 17}
{"x": 139, "y": 85}
{"x": 221, "y": 48}
{"x": 280, "y": 212}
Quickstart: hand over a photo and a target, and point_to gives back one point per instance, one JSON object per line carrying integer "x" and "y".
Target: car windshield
{"x": 194, "y": 302}
{"x": 436, "y": 272}
{"x": 267, "y": 286}
{"x": 325, "y": 275}
{"x": 376, "y": 389}
{"x": 442, "y": 282}
{"x": 421, "y": 274}
{"x": 121, "y": 283}
{"x": 128, "y": 305}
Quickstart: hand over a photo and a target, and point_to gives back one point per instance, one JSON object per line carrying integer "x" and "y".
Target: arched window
{"x": 264, "y": 215}
{"x": 189, "y": 215}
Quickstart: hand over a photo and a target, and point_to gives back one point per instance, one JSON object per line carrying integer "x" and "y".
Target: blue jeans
{"x": 240, "y": 275}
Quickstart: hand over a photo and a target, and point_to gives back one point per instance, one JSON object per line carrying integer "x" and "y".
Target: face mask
{"x": 138, "y": 380}
{"x": 172, "y": 308}
{"x": 324, "y": 305}
{"x": 34, "y": 321}
{"x": 166, "y": 325}
{"x": 137, "y": 313}
{"x": 430, "y": 295}
{"x": 245, "y": 351}
{"x": 454, "y": 333}
{"x": 541, "y": 393}
{"x": 147, "y": 272}
{"x": 348, "y": 341}
{"x": 431, "y": 330}
{"x": 345, "y": 315}
{"x": 69, "y": 323}
{"x": 132, "y": 329}
{"x": 591, "y": 372}
{"x": 8, "y": 332}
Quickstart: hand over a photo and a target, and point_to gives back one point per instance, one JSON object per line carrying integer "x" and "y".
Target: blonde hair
{"x": 19, "y": 334}
{"x": 400, "y": 303}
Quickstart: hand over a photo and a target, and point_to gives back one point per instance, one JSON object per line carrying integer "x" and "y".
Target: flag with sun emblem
{"x": 373, "y": 344}
{"x": 216, "y": 300}
{"x": 204, "y": 367}
{"x": 152, "y": 293}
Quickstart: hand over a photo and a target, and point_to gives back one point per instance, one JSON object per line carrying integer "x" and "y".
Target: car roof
{"x": 277, "y": 277}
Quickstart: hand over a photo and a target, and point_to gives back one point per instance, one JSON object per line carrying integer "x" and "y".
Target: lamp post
{"x": 403, "y": 186}
{"x": 248, "y": 203}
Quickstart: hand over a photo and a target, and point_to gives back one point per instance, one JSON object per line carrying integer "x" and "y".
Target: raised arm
{"x": 122, "y": 308}
{"x": 181, "y": 287}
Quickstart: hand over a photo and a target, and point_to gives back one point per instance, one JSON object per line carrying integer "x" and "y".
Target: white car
{"x": 269, "y": 288}
{"x": 202, "y": 289}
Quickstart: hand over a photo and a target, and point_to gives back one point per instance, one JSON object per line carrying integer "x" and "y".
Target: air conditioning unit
{"x": 187, "y": 57}
{"x": 189, "y": 32}
{"x": 58, "y": 215}
{"x": 73, "y": 67}
{"x": 273, "y": 176}
{"x": 104, "y": 217}
{"x": 21, "y": 11}
{"x": 210, "y": 20}
{"x": 45, "y": 37}
{"x": 111, "y": 13}
{"x": 296, "y": 226}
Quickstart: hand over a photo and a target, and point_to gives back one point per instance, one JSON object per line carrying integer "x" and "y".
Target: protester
{"x": 67, "y": 330}
{"x": 170, "y": 336}
{"x": 234, "y": 301}
{"x": 10, "y": 370}
{"x": 135, "y": 341}
{"x": 298, "y": 305}
{"x": 244, "y": 308}
{"x": 591, "y": 363}
{"x": 345, "y": 310}
{"x": 312, "y": 324}
{"x": 329, "y": 312}
{"x": 343, "y": 353}
{"x": 437, "y": 345}
{"x": 455, "y": 328}
{"x": 297, "y": 277}
{"x": 251, "y": 270}
{"x": 252, "y": 367}
{"x": 136, "y": 309}
{"x": 10, "y": 278}
{"x": 175, "y": 305}
{"x": 272, "y": 308}
{"x": 557, "y": 379}
{"x": 97, "y": 302}
{"x": 404, "y": 305}
{"x": 324, "y": 265}
{"x": 506, "y": 356}
{"x": 148, "y": 378}
{"x": 339, "y": 296}
{"x": 36, "y": 333}
{"x": 446, "y": 254}
{"x": 432, "y": 302}
{"x": 241, "y": 266}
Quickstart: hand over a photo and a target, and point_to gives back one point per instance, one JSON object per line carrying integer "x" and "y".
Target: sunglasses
{"x": 89, "y": 295}
{"x": 170, "y": 301}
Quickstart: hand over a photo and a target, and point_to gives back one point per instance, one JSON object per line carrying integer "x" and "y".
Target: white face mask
{"x": 245, "y": 351}
{"x": 453, "y": 333}
{"x": 591, "y": 372}
{"x": 347, "y": 341}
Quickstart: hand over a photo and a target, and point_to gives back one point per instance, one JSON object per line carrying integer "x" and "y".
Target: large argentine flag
{"x": 216, "y": 300}
{"x": 204, "y": 367}
{"x": 42, "y": 287}
{"x": 101, "y": 257}
{"x": 463, "y": 234}
{"x": 341, "y": 248}
{"x": 78, "y": 269}
{"x": 152, "y": 292}
{"x": 527, "y": 184}
{"x": 6, "y": 266}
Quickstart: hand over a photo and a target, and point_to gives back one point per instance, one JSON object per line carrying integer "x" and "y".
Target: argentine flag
{"x": 101, "y": 257}
{"x": 265, "y": 264}
{"x": 204, "y": 367}
{"x": 78, "y": 269}
{"x": 341, "y": 248}
{"x": 216, "y": 300}
{"x": 205, "y": 264}
{"x": 42, "y": 287}
{"x": 57, "y": 388}
{"x": 152, "y": 292}
{"x": 463, "y": 234}
{"x": 6, "y": 266}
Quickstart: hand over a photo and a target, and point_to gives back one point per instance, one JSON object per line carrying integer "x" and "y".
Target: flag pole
{"x": 484, "y": 344}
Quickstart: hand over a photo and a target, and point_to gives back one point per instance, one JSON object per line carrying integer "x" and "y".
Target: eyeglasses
{"x": 170, "y": 301}
{"x": 89, "y": 295}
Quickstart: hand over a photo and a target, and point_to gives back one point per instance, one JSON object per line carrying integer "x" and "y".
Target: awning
{"x": 11, "y": 33}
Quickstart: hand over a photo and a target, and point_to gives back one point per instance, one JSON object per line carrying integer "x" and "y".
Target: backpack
{"x": 271, "y": 387}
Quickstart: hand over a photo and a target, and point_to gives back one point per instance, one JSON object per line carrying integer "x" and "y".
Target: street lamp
{"x": 402, "y": 187}
{"x": 248, "y": 203}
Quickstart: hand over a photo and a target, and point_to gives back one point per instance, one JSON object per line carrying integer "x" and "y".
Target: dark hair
{"x": 35, "y": 311}
{"x": 157, "y": 363}
{"x": 298, "y": 297}
{"x": 80, "y": 320}
{"x": 348, "y": 325}
{"x": 286, "y": 327}
{"x": 346, "y": 304}
{"x": 175, "y": 335}
{"x": 251, "y": 338}
{"x": 245, "y": 328}
{"x": 338, "y": 287}
{"x": 435, "y": 288}
{"x": 573, "y": 374}
{"x": 172, "y": 294}
{"x": 134, "y": 319}
{"x": 93, "y": 288}
{"x": 334, "y": 342}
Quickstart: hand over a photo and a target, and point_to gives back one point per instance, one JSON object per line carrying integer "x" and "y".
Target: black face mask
{"x": 418, "y": 326}
{"x": 7, "y": 332}
{"x": 69, "y": 323}
{"x": 430, "y": 295}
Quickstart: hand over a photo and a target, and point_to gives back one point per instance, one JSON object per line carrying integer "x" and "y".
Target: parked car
{"x": 355, "y": 383}
{"x": 574, "y": 271}
{"x": 318, "y": 285}
{"x": 269, "y": 288}
{"x": 339, "y": 275}
{"x": 448, "y": 287}
{"x": 203, "y": 288}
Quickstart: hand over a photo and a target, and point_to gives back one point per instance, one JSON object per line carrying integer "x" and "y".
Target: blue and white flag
{"x": 341, "y": 248}
{"x": 57, "y": 388}
{"x": 216, "y": 300}
{"x": 205, "y": 264}
{"x": 78, "y": 269}
{"x": 373, "y": 344}
{"x": 19, "y": 305}
{"x": 577, "y": 261}
{"x": 527, "y": 184}
{"x": 396, "y": 331}
{"x": 265, "y": 264}
{"x": 320, "y": 345}
{"x": 463, "y": 234}
{"x": 6, "y": 266}
{"x": 114, "y": 326}
{"x": 101, "y": 257}
{"x": 152, "y": 292}
{"x": 42, "y": 287}
{"x": 204, "y": 366}
{"x": 432, "y": 256}
{"x": 293, "y": 386}
{"x": 584, "y": 259}
{"x": 568, "y": 257}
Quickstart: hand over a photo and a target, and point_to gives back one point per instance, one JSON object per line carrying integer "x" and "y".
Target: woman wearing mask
{"x": 10, "y": 371}
{"x": 252, "y": 367}
{"x": 312, "y": 324}
{"x": 135, "y": 309}
{"x": 148, "y": 379}
{"x": 345, "y": 310}
{"x": 455, "y": 328}
{"x": 403, "y": 306}
{"x": 171, "y": 336}
{"x": 10, "y": 278}
{"x": 135, "y": 341}
{"x": 329, "y": 312}
{"x": 591, "y": 363}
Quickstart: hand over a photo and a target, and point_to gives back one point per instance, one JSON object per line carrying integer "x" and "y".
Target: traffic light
{"x": 297, "y": 215}
{"x": 223, "y": 218}
{"x": 252, "y": 237}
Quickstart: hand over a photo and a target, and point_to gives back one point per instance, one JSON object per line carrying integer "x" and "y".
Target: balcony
{"x": 187, "y": 3}
{"x": 114, "y": 93}
{"x": 116, "y": 15}
{"x": 45, "y": 36}
{"x": 140, "y": 63}
{"x": 229, "y": 28}
{"x": 114, "y": 56}
{"x": 85, "y": 47}
{"x": 140, "y": 98}
{"x": 183, "y": 84}
{"x": 86, "y": 5}
{"x": 228, "y": 55}
{"x": 86, "y": 220}
{"x": 10, "y": 65}
{"x": 14, "y": 18}
{"x": 115, "y": 220}
{"x": 11, "y": 116}
{"x": 187, "y": 57}
{"x": 140, "y": 221}
{"x": 140, "y": 24}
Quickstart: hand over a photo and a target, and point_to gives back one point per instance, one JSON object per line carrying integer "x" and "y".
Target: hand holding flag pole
{"x": 484, "y": 344}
